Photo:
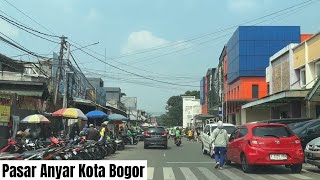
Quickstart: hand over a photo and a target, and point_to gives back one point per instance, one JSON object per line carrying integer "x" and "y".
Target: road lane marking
{"x": 253, "y": 176}
{"x": 299, "y": 176}
{"x": 230, "y": 174}
{"x": 278, "y": 177}
{"x": 188, "y": 174}
{"x": 150, "y": 172}
{"x": 164, "y": 154}
{"x": 191, "y": 162}
{"x": 208, "y": 173}
{"x": 168, "y": 173}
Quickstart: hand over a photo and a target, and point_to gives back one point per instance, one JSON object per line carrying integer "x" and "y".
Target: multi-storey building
{"x": 248, "y": 53}
{"x": 293, "y": 76}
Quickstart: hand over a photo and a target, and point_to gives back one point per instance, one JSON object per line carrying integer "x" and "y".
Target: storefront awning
{"x": 204, "y": 117}
{"x": 278, "y": 98}
{"x": 24, "y": 88}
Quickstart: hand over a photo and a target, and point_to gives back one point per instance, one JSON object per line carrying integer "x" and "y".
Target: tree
{"x": 193, "y": 93}
{"x": 173, "y": 117}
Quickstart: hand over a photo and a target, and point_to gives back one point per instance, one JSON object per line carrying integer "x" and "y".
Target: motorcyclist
{"x": 178, "y": 134}
{"x": 130, "y": 134}
{"x": 104, "y": 133}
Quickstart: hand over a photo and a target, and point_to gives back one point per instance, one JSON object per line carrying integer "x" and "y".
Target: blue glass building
{"x": 250, "y": 48}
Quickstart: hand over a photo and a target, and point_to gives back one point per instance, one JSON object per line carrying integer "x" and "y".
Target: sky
{"x": 169, "y": 44}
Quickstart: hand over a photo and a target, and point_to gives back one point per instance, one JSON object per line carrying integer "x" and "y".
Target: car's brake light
{"x": 255, "y": 143}
{"x": 146, "y": 133}
{"x": 164, "y": 134}
{"x": 297, "y": 141}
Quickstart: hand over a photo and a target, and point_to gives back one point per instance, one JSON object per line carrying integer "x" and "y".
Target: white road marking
{"x": 299, "y": 176}
{"x": 150, "y": 172}
{"x": 230, "y": 174}
{"x": 253, "y": 176}
{"x": 164, "y": 154}
{"x": 168, "y": 173}
{"x": 256, "y": 177}
{"x": 278, "y": 177}
{"x": 208, "y": 173}
{"x": 190, "y": 162}
{"x": 188, "y": 174}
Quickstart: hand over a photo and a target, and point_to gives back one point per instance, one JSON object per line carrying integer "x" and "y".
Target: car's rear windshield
{"x": 229, "y": 129}
{"x": 272, "y": 131}
{"x": 155, "y": 129}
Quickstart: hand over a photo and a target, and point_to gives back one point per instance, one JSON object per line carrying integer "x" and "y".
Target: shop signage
{"x": 4, "y": 114}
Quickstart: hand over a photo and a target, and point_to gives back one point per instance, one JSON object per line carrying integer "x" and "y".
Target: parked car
{"x": 286, "y": 120}
{"x": 293, "y": 126}
{"x": 265, "y": 144}
{"x": 308, "y": 132}
{"x": 155, "y": 136}
{"x": 207, "y": 138}
{"x": 312, "y": 152}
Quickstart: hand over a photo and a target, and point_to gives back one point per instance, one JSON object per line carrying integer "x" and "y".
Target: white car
{"x": 207, "y": 135}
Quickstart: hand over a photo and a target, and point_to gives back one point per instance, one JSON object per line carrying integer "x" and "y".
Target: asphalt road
{"x": 188, "y": 162}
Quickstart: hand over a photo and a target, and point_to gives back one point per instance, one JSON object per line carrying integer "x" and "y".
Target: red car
{"x": 265, "y": 144}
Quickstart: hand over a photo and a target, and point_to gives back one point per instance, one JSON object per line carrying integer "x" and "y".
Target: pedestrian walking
{"x": 220, "y": 139}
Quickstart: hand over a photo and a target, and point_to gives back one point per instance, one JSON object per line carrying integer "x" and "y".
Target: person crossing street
{"x": 220, "y": 140}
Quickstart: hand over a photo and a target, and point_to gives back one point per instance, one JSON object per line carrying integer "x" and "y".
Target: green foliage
{"x": 173, "y": 116}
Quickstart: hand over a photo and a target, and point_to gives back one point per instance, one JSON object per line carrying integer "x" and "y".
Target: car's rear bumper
{"x": 156, "y": 141}
{"x": 262, "y": 157}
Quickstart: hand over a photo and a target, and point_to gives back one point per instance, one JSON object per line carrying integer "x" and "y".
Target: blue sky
{"x": 126, "y": 26}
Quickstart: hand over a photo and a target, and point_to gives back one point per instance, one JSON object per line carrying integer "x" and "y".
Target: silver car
{"x": 312, "y": 152}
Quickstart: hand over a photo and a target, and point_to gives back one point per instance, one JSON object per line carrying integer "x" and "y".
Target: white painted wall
{"x": 190, "y": 108}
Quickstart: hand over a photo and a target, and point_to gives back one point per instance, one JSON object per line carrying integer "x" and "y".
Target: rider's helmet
{"x": 82, "y": 133}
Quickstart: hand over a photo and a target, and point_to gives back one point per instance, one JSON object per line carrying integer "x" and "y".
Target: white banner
{"x": 77, "y": 170}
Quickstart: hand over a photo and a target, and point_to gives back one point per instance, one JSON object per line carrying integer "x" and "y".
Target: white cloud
{"x": 93, "y": 14}
{"x": 241, "y": 5}
{"x": 142, "y": 40}
{"x": 8, "y": 29}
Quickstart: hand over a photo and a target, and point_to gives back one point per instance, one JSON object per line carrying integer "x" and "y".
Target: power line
{"x": 31, "y": 19}
{"x": 26, "y": 29}
{"x": 212, "y": 33}
{"x": 173, "y": 52}
{"x": 135, "y": 74}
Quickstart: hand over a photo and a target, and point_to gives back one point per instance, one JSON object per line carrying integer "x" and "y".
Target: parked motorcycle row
{"x": 63, "y": 149}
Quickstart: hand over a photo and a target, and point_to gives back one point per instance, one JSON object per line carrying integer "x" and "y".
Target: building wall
{"x": 130, "y": 103}
{"x": 305, "y": 56}
{"x": 313, "y": 46}
{"x": 242, "y": 88}
{"x": 190, "y": 108}
{"x": 252, "y": 115}
{"x": 305, "y": 37}
{"x": 299, "y": 57}
{"x": 250, "y": 47}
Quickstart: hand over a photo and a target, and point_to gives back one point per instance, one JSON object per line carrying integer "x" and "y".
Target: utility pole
{"x": 58, "y": 77}
{"x": 66, "y": 78}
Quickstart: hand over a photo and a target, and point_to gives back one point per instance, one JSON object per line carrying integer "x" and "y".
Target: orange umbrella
{"x": 72, "y": 113}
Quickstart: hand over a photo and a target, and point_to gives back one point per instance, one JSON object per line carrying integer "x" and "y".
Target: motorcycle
{"x": 177, "y": 141}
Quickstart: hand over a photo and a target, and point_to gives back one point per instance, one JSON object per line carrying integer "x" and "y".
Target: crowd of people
{"x": 192, "y": 134}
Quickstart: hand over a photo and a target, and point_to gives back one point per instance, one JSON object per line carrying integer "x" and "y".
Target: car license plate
{"x": 278, "y": 157}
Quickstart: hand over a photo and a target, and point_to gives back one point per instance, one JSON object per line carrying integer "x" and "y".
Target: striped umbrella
{"x": 72, "y": 113}
{"x": 35, "y": 119}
